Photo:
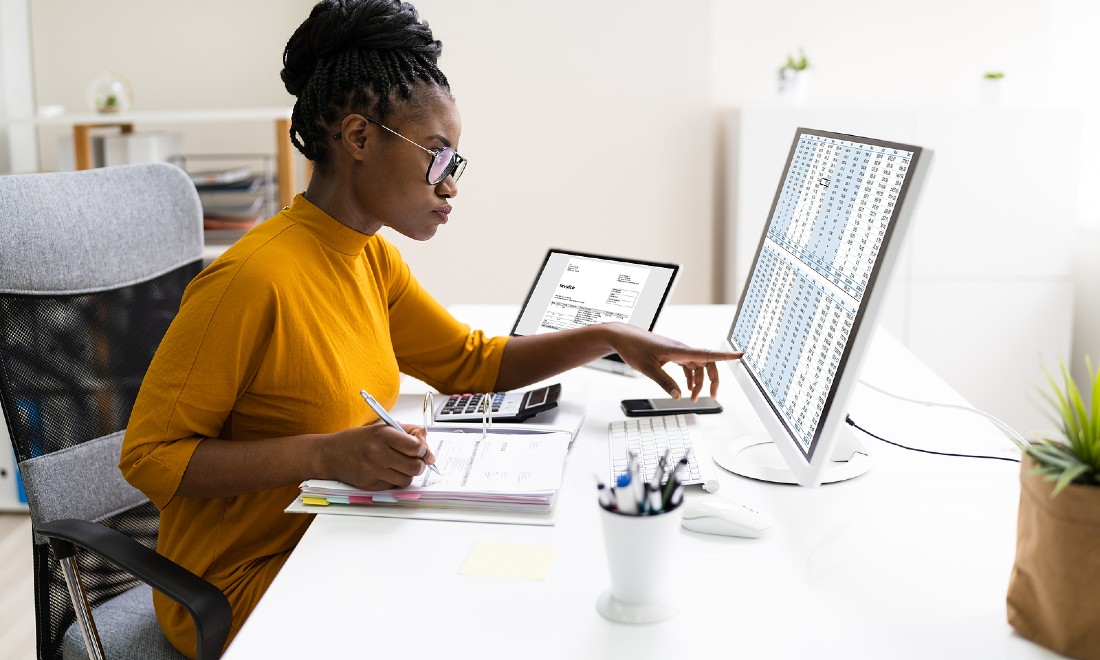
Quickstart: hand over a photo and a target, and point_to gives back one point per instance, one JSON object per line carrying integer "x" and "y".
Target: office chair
{"x": 92, "y": 268}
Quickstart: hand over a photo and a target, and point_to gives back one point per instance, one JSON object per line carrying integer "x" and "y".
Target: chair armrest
{"x": 206, "y": 603}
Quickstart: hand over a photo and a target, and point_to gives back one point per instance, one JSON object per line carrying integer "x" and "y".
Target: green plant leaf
{"x": 1094, "y": 426}
{"x": 1068, "y": 477}
{"x": 1075, "y": 456}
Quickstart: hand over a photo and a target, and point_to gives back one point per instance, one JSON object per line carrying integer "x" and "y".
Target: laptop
{"x": 575, "y": 289}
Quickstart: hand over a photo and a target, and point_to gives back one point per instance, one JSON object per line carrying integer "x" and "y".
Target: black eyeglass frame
{"x": 454, "y": 169}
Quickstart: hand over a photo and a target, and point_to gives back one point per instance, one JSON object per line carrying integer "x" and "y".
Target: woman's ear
{"x": 353, "y": 135}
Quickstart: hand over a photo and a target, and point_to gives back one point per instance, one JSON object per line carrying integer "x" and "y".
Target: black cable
{"x": 852, "y": 423}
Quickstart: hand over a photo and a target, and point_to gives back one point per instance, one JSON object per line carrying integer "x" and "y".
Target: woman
{"x": 255, "y": 385}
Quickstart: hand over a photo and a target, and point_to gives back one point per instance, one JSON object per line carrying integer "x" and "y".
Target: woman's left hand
{"x": 648, "y": 353}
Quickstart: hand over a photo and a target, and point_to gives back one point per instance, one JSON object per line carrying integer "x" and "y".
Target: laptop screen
{"x": 575, "y": 289}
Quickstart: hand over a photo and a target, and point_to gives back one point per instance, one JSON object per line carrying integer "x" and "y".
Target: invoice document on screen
{"x": 591, "y": 291}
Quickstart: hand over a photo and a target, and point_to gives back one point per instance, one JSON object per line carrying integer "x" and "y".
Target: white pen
{"x": 385, "y": 417}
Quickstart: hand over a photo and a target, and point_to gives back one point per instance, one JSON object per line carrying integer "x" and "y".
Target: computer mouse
{"x": 711, "y": 515}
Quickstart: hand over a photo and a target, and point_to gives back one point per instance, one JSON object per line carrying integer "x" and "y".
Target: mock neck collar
{"x": 326, "y": 228}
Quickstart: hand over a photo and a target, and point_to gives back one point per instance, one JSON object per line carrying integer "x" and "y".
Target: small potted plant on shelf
{"x": 992, "y": 82}
{"x": 1053, "y": 593}
{"x": 109, "y": 93}
{"x": 108, "y": 103}
{"x": 794, "y": 79}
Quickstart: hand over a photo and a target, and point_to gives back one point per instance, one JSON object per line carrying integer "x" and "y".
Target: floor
{"x": 17, "y": 593}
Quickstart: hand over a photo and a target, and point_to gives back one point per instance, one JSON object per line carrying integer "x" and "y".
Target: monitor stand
{"x": 755, "y": 456}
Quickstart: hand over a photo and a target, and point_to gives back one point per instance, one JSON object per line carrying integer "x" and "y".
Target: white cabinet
{"x": 983, "y": 292}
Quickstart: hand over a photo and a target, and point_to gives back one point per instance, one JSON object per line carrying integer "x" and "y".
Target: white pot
{"x": 991, "y": 91}
{"x": 794, "y": 87}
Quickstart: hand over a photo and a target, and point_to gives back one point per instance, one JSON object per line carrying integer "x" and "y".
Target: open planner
{"x": 508, "y": 474}
{"x": 502, "y": 470}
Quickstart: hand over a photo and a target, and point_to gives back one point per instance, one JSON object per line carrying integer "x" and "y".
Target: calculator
{"x": 506, "y": 406}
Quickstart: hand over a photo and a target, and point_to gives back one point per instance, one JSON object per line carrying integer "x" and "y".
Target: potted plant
{"x": 794, "y": 79}
{"x": 992, "y": 81}
{"x": 1053, "y": 595}
{"x": 109, "y": 93}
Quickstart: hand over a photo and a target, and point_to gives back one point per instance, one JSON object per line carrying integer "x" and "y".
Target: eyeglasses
{"x": 445, "y": 162}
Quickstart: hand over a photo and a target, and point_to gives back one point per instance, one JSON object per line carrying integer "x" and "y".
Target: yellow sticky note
{"x": 315, "y": 501}
{"x": 509, "y": 560}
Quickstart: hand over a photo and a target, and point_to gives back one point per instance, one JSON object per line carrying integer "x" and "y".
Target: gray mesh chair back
{"x": 92, "y": 268}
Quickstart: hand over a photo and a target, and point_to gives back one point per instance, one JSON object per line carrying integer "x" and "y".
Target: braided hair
{"x": 354, "y": 54}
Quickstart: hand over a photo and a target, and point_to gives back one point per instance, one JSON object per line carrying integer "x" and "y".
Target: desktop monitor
{"x": 806, "y": 314}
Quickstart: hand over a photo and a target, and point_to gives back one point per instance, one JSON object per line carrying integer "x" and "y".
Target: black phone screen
{"x": 667, "y": 406}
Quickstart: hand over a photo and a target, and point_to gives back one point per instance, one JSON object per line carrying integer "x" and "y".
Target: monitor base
{"x": 755, "y": 456}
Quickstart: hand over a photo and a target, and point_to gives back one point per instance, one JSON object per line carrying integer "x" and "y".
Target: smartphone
{"x": 651, "y": 407}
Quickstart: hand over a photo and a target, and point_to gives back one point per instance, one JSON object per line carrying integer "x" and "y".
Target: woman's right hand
{"x": 377, "y": 456}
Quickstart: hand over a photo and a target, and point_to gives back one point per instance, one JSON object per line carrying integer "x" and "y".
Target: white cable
{"x": 1018, "y": 440}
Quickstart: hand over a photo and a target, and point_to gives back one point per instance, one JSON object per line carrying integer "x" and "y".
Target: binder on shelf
{"x": 221, "y": 176}
{"x": 231, "y": 196}
{"x": 249, "y": 211}
{"x": 235, "y": 194}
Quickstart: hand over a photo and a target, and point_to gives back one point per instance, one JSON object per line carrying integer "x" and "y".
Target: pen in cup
{"x": 604, "y": 495}
{"x": 675, "y": 477}
{"x": 385, "y": 417}
{"x": 624, "y": 497}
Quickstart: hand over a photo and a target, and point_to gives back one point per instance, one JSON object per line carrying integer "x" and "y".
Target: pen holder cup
{"x": 642, "y": 559}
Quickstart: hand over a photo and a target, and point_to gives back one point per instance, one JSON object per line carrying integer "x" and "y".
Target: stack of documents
{"x": 508, "y": 470}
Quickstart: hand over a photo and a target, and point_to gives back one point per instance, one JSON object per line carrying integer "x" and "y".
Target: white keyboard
{"x": 649, "y": 437}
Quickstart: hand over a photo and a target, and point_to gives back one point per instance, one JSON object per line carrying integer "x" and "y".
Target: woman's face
{"x": 391, "y": 188}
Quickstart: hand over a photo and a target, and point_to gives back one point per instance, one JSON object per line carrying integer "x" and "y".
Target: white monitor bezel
{"x": 808, "y": 470}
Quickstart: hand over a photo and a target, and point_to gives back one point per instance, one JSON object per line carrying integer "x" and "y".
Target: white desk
{"x": 910, "y": 560}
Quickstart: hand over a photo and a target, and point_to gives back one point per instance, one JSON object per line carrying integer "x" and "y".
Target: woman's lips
{"x": 443, "y": 212}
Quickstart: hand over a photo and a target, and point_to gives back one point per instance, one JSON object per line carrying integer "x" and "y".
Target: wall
{"x": 871, "y": 52}
{"x": 1086, "y": 320}
{"x": 1074, "y": 81}
{"x": 586, "y": 124}
{"x": 17, "y": 143}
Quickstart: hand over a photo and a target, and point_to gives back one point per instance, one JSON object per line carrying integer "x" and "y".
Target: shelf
{"x": 82, "y": 125}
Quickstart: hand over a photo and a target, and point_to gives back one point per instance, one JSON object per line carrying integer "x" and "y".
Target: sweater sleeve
{"x": 432, "y": 345}
{"x": 204, "y": 363}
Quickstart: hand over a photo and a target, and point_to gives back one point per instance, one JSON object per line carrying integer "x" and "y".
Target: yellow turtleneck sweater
{"x": 276, "y": 338}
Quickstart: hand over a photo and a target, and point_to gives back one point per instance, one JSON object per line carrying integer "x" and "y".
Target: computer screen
{"x": 574, "y": 289}
{"x": 805, "y": 314}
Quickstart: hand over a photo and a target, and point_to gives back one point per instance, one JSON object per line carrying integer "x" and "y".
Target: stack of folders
{"x": 509, "y": 470}
{"x": 233, "y": 198}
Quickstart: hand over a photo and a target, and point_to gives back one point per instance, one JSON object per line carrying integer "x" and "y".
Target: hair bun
{"x": 337, "y": 26}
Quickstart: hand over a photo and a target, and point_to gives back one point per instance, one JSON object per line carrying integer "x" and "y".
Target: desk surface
{"x": 910, "y": 560}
